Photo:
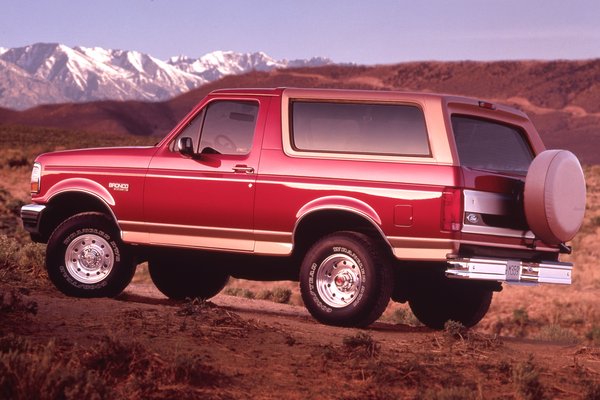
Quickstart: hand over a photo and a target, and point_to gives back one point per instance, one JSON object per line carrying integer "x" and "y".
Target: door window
{"x": 223, "y": 127}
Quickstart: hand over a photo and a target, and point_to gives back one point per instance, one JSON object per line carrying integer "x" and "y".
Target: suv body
{"x": 360, "y": 195}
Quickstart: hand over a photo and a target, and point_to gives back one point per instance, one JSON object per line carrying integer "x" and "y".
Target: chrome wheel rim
{"x": 89, "y": 259}
{"x": 339, "y": 280}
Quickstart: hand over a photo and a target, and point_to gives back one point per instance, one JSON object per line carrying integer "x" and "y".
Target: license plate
{"x": 513, "y": 271}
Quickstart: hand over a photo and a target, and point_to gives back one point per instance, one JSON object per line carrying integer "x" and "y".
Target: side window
{"x": 357, "y": 128}
{"x": 229, "y": 127}
{"x": 223, "y": 127}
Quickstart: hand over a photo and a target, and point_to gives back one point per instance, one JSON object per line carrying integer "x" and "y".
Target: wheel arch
{"x": 65, "y": 204}
{"x": 336, "y": 213}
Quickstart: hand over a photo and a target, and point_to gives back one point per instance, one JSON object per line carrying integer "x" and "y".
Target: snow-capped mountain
{"x": 55, "y": 73}
{"x": 217, "y": 64}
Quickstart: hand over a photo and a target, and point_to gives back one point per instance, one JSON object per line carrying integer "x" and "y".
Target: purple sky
{"x": 364, "y": 32}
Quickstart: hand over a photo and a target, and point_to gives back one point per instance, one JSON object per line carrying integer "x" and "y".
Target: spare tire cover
{"x": 554, "y": 196}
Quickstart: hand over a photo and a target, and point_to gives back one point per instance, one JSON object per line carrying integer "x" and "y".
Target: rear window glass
{"x": 489, "y": 145}
{"x": 381, "y": 129}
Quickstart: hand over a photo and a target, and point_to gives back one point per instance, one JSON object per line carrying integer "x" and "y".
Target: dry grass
{"x": 114, "y": 368}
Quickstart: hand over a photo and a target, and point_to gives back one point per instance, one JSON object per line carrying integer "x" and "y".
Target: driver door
{"x": 206, "y": 200}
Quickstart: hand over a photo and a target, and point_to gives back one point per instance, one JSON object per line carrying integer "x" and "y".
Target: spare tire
{"x": 554, "y": 197}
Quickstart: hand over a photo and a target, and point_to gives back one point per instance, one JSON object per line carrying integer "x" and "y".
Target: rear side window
{"x": 491, "y": 145}
{"x": 379, "y": 129}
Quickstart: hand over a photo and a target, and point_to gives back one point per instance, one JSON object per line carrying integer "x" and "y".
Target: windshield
{"x": 490, "y": 145}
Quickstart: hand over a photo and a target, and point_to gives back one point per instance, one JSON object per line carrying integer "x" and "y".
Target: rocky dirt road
{"x": 144, "y": 345}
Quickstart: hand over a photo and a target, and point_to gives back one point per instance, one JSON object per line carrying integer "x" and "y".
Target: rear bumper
{"x": 514, "y": 271}
{"x": 31, "y": 215}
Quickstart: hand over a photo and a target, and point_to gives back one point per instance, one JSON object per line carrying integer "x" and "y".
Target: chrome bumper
{"x": 512, "y": 271}
{"x": 31, "y": 214}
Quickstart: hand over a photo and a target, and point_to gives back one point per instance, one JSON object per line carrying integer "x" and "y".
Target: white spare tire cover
{"x": 555, "y": 196}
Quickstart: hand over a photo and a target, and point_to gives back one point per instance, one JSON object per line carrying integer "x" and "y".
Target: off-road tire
{"x": 180, "y": 279}
{"x": 445, "y": 300}
{"x": 85, "y": 257}
{"x": 345, "y": 280}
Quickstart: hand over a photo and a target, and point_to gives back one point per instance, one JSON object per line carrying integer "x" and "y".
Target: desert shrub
{"x": 277, "y": 295}
{"x": 13, "y": 343}
{"x": 10, "y": 209}
{"x": 126, "y": 365}
{"x": 32, "y": 258}
{"x": 520, "y": 316}
{"x": 17, "y": 261}
{"x": 405, "y": 317}
{"x": 556, "y": 333}
{"x": 192, "y": 371}
{"x": 526, "y": 379}
{"x": 195, "y": 306}
{"x": 114, "y": 358}
{"x": 11, "y": 301}
{"x": 591, "y": 390}
{"x": 362, "y": 344}
{"x": 455, "y": 330}
{"x": 521, "y": 319}
{"x": 239, "y": 292}
{"x": 42, "y": 372}
{"x": 8, "y": 250}
{"x": 281, "y": 295}
{"x": 593, "y": 334}
{"x": 15, "y": 158}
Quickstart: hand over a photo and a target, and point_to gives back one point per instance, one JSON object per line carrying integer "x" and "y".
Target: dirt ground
{"x": 142, "y": 345}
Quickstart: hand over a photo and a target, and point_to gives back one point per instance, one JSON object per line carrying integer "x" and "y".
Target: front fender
{"x": 82, "y": 185}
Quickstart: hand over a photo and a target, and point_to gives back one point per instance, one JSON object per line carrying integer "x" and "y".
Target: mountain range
{"x": 47, "y": 73}
{"x": 562, "y": 97}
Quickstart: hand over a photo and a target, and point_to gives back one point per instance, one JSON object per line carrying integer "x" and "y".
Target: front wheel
{"x": 345, "y": 281}
{"x": 85, "y": 257}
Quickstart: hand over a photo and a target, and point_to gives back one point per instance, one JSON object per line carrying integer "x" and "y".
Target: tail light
{"x": 452, "y": 209}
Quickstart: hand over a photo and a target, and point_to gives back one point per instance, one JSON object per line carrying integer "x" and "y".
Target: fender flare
{"x": 341, "y": 203}
{"x": 81, "y": 185}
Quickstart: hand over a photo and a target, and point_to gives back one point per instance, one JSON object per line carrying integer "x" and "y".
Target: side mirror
{"x": 185, "y": 146}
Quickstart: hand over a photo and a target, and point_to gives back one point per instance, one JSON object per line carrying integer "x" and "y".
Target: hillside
{"x": 562, "y": 97}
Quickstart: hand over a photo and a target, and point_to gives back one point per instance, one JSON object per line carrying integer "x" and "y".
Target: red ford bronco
{"x": 361, "y": 196}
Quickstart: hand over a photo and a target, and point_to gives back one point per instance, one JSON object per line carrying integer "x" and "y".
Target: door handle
{"x": 243, "y": 168}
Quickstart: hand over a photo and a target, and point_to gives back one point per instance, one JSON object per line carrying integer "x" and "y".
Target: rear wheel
{"x": 179, "y": 279}
{"x": 345, "y": 281}
{"x": 446, "y": 300}
{"x": 85, "y": 257}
